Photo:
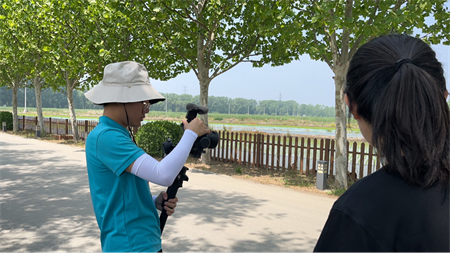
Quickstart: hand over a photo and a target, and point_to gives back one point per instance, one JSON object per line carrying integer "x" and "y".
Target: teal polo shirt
{"x": 123, "y": 205}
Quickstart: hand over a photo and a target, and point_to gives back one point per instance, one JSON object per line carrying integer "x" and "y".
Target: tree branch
{"x": 188, "y": 16}
{"x": 182, "y": 56}
{"x": 361, "y": 37}
{"x": 324, "y": 57}
{"x": 346, "y": 31}
{"x": 249, "y": 49}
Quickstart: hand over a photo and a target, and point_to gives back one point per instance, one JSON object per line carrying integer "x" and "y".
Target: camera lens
{"x": 204, "y": 142}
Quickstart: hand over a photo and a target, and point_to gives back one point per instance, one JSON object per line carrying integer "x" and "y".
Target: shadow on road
{"x": 45, "y": 202}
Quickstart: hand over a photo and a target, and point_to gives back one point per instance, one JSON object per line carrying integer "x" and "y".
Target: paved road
{"x": 45, "y": 206}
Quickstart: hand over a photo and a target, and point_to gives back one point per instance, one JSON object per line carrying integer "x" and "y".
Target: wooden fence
{"x": 56, "y": 126}
{"x": 275, "y": 152}
{"x": 283, "y": 152}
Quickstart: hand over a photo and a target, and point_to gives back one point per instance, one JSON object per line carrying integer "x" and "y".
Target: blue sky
{"x": 305, "y": 81}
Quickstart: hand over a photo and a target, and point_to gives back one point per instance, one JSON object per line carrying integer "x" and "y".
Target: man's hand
{"x": 169, "y": 205}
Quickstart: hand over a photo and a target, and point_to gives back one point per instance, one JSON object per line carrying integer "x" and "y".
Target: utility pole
{"x": 166, "y": 104}
{"x": 25, "y": 110}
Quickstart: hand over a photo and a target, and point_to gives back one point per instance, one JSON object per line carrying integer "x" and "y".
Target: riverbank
{"x": 272, "y": 124}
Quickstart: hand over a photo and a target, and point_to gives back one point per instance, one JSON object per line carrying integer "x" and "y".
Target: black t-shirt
{"x": 381, "y": 212}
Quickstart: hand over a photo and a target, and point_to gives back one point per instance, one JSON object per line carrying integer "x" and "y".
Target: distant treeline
{"x": 177, "y": 103}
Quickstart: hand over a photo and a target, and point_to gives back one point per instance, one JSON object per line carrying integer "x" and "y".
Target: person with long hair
{"x": 396, "y": 91}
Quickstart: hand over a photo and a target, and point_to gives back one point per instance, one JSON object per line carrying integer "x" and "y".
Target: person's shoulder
{"x": 370, "y": 189}
{"x": 105, "y": 133}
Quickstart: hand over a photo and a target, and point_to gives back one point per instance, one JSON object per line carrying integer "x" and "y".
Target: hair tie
{"x": 399, "y": 63}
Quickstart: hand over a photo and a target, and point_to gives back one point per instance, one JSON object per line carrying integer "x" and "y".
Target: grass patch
{"x": 327, "y": 123}
{"x": 239, "y": 170}
{"x": 337, "y": 192}
{"x": 293, "y": 178}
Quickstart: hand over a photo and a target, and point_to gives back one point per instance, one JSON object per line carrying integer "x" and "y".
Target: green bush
{"x": 8, "y": 118}
{"x": 151, "y": 136}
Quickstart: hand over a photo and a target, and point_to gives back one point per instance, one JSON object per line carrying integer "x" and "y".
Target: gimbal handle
{"x": 171, "y": 193}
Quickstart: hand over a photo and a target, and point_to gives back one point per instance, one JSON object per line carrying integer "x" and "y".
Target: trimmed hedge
{"x": 8, "y": 118}
{"x": 151, "y": 136}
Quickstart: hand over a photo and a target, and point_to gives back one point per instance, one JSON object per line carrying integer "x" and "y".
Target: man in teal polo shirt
{"x": 119, "y": 170}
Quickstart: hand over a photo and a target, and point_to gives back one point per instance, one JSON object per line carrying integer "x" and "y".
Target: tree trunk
{"x": 37, "y": 82}
{"x": 204, "y": 87}
{"x": 14, "y": 104}
{"x": 340, "y": 71}
{"x": 73, "y": 117}
{"x": 204, "y": 80}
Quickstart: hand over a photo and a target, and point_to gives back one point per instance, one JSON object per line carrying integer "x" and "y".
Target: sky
{"x": 305, "y": 81}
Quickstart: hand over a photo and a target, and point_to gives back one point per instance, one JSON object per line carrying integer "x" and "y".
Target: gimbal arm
{"x": 171, "y": 193}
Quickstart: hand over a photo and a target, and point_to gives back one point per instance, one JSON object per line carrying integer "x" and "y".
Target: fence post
{"x": 278, "y": 152}
{"x": 355, "y": 146}
{"x": 290, "y": 146}
{"x": 231, "y": 147}
{"x": 244, "y": 160}
{"x": 283, "y": 149}
{"x": 236, "y": 145}
{"x": 267, "y": 151}
{"x": 361, "y": 161}
{"x": 273, "y": 153}
{"x": 296, "y": 154}
{"x": 23, "y": 127}
{"x": 257, "y": 140}
{"x": 327, "y": 150}
{"x": 369, "y": 163}
{"x": 314, "y": 157}
{"x": 67, "y": 126}
{"x": 302, "y": 153}
{"x": 240, "y": 148}
{"x": 307, "y": 155}
{"x": 321, "y": 150}
{"x": 332, "y": 157}
{"x": 50, "y": 125}
{"x": 222, "y": 140}
{"x": 227, "y": 158}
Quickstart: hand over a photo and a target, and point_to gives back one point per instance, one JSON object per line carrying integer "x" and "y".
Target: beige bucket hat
{"x": 124, "y": 82}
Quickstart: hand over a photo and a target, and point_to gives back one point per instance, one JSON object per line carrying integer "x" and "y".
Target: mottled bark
{"x": 203, "y": 78}
{"x": 70, "y": 84}
{"x": 14, "y": 104}
{"x": 37, "y": 82}
{"x": 340, "y": 70}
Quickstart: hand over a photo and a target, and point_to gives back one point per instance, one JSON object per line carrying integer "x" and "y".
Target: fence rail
{"x": 58, "y": 126}
{"x": 283, "y": 153}
{"x": 274, "y": 152}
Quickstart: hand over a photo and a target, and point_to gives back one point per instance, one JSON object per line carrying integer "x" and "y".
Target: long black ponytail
{"x": 398, "y": 87}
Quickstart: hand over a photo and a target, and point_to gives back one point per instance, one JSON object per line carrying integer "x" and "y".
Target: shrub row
{"x": 8, "y": 118}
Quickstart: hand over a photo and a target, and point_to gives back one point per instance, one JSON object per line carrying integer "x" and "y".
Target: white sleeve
{"x": 164, "y": 172}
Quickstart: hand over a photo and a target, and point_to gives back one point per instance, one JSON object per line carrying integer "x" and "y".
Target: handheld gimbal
{"x": 205, "y": 141}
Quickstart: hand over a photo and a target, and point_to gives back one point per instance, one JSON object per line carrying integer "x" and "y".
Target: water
{"x": 282, "y": 130}
{"x": 265, "y": 129}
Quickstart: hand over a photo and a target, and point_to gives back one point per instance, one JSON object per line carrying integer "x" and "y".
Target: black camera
{"x": 205, "y": 141}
